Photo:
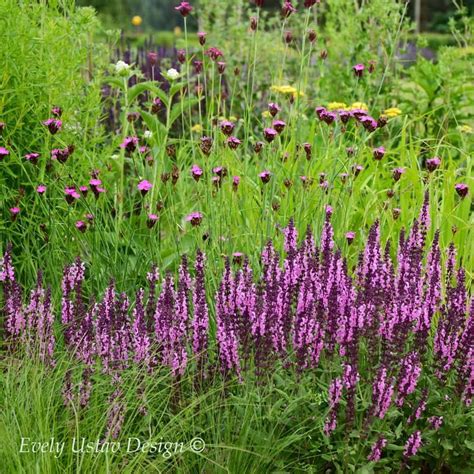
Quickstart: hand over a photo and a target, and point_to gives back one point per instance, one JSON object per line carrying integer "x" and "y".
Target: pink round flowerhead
{"x": 233, "y": 143}
{"x": 273, "y": 108}
{"x": 94, "y": 183}
{"x": 14, "y": 211}
{"x": 344, "y": 115}
{"x": 53, "y": 125}
{"x": 433, "y": 164}
{"x": 350, "y": 236}
{"x": 237, "y": 258}
{"x": 32, "y": 158}
{"x": 379, "y": 153}
{"x": 265, "y": 176}
{"x": 279, "y": 125}
{"x": 184, "y": 8}
{"x": 2, "y": 127}
{"x": 196, "y": 172}
{"x": 214, "y": 53}
{"x": 462, "y": 190}
{"x": 195, "y": 218}
{"x": 90, "y": 217}
{"x": 81, "y": 226}
{"x": 70, "y": 194}
{"x": 328, "y": 117}
{"x": 129, "y": 144}
{"x": 235, "y": 182}
{"x": 358, "y": 70}
{"x": 287, "y": 9}
{"x": 397, "y": 173}
{"x": 320, "y": 111}
{"x": 84, "y": 190}
{"x": 3, "y": 153}
{"x": 152, "y": 57}
{"x": 41, "y": 189}
{"x": 202, "y": 37}
{"x": 270, "y": 134}
{"x": 227, "y": 127}
{"x": 57, "y": 111}
{"x": 181, "y": 55}
{"x": 144, "y": 186}
{"x": 221, "y": 67}
{"x": 152, "y": 220}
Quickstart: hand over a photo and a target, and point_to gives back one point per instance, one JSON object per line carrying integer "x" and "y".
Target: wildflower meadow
{"x": 241, "y": 244}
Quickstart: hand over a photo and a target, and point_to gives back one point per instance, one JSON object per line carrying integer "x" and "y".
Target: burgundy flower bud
{"x": 171, "y": 150}
{"x": 237, "y": 258}
{"x": 270, "y": 134}
{"x": 275, "y": 206}
{"x": 288, "y": 37}
{"x": 324, "y": 54}
{"x": 358, "y": 70}
{"x": 259, "y": 3}
{"x": 216, "y": 181}
{"x": 462, "y": 190}
{"x": 144, "y": 186}
{"x": 350, "y": 236}
{"x": 397, "y": 173}
{"x": 357, "y": 169}
{"x": 31, "y": 157}
{"x": 236, "y": 71}
{"x": 165, "y": 177}
{"x": 221, "y": 67}
{"x": 227, "y": 127}
{"x": 310, "y": 3}
{"x": 206, "y": 145}
{"x": 372, "y": 64}
{"x": 344, "y": 115}
{"x": 350, "y": 151}
{"x": 195, "y": 218}
{"x": 312, "y": 36}
{"x": 175, "y": 174}
{"x": 396, "y": 213}
{"x": 320, "y": 111}
{"x": 156, "y": 105}
{"x": 379, "y": 153}
{"x": 265, "y": 176}
{"x": 253, "y": 23}
{"x": 368, "y": 123}
{"x": 279, "y": 125}
{"x": 344, "y": 177}
{"x": 235, "y": 182}
{"x": 181, "y": 55}
{"x": 258, "y": 147}
{"x": 129, "y": 144}
{"x": 433, "y": 164}
{"x": 152, "y": 220}
{"x": 56, "y": 111}
{"x": 308, "y": 149}
{"x": 152, "y": 57}
{"x": 390, "y": 193}
{"x": 273, "y": 108}
{"x": 220, "y": 171}
{"x": 322, "y": 177}
{"x": 2, "y": 127}
{"x": 287, "y": 9}
{"x": 214, "y": 53}
{"x": 184, "y": 8}
{"x": 382, "y": 121}
{"x": 202, "y": 38}
{"x": 288, "y": 183}
{"x": 84, "y": 190}
{"x": 233, "y": 143}
{"x": 197, "y": 67}
{"x": 133, "y": 116}
{"x": 14, "y": 211}
{"x": 328, "y": 117}
{"x": 53, "y": 125}
{"x": 81, "y": 226}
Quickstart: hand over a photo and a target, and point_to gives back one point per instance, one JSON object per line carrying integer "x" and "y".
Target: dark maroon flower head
{"x": 324, "y": 54}
{"x": 357, "y": 169}
{"x": 269, "y": 134}
{"x": 4, "y": 153}
{"x": 382, "y": 121}
{"x": 181, "y": 56}
{"x": 152, "y": 57}
{"x": 396, "y": 213}
{"x": 221, "y": 67}
{"x": 129, "y": 144}
{"x": 288, "y": 183}
{"x": 31, "y": 157}
{"x": 197, "y": 67}
{"x": 237, "y": 258}
{"x": 462, "y": 190}
{"x": 258, "y": 147}
{"x": 344, "y": 115}
{"x": 369, "y": 123}
{"x": 2, "y": 127}
{"x": 81, "y": 226}
{"x": 372, "y": 64}
{"x": 312, "y": 36}
{"x": 62, "y": 155}
{"x": 328, "y": 117}
{"x": 216, "y": 181}
{"x": 253, "y": 23}
{"x": 144, "y": 186}
{"x": 358, "y": 70}
{"x": 310, "y": 3}
{"x": 214, "y": 53}
{"x": 379, "y": 153}
{"x": 279, "y": 125}
{"x": 57, "y": 111}
{"x": 308, "y": 149}
{"x": 196, "y": 172}
{"x": 233, "y": 142}
{"x": 344, "y": 177}
{"x": 133, "y": 116}
{"x": 152, "y": 220}
{"x": 202, "y": 37}
{"x": 227, "y": 127}
{"x": 220, "y": 171}
{"x": 265, "y": 176}
{"x": 195, "y": 218}
{"x": 287, "y": 9}
{"x": 288, "y": 37}
{"x": 259, "y": 3}
{"x": 390, "y": 193}
{"x": 156, "y": 105}
{"x": 320, "y": 111}
{"x": 433, "y": 164}
{"x": 273, "y": 108}
{"x": 206, "y": 145}
{"x": 397, "y": 173}
{"x": 235, "y": 182}
{"x": 350, "y": 151}
{"x": 54, "y": 125}
{"x": 184, "y": 8}
{"x": 350, "y": 236}
{"x": 84, "y": 190}
{"x": 70, "y": 194}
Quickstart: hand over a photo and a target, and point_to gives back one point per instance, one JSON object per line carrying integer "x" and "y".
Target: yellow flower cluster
{"x": 197, "y": 128}
{"x": 337, "y": 106}
{"x": 287, "y": 90}
{"x": 343, "y": 106}
{"x": 465, "y": 129}
{"x": 359, "y": 106}
{"x": 137, "y": 20}
{"x": 392, "y": 112}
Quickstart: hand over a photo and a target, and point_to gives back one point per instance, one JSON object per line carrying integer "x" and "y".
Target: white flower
{"x": 122, "y": 68}
{"x": 172, "y": 74}
{"x": 147, "y": 134}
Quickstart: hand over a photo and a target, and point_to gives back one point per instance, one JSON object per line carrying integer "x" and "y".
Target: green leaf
{"x": 469, "y": 444}
{"x": 154, "y": 125}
